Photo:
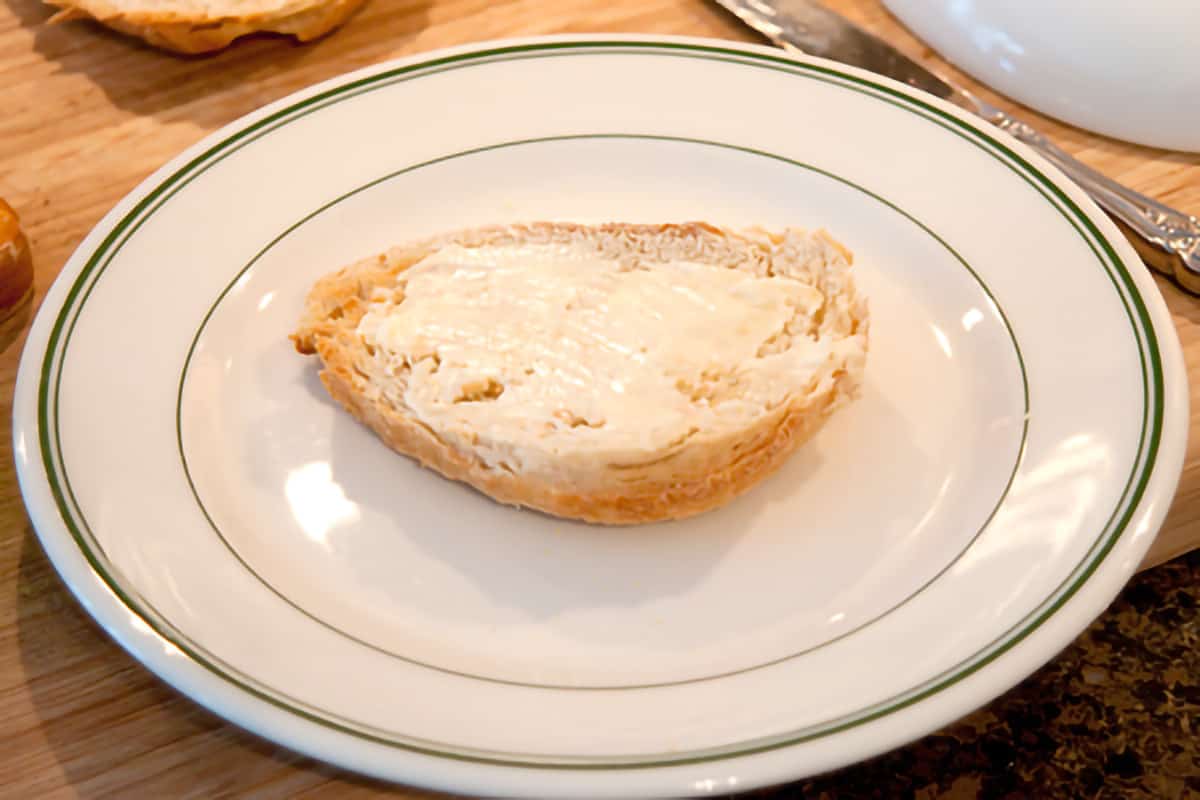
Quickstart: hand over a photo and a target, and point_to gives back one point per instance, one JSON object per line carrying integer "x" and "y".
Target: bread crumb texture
{"x": 616, "y": 373}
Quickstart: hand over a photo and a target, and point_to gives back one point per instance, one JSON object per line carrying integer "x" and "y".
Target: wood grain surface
{"x": 87, "y": 114}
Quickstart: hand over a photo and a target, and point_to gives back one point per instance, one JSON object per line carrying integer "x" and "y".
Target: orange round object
{"x": 16, "y": 264}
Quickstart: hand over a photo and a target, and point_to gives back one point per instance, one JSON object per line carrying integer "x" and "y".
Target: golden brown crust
{"x": 704, "y": 475}
{"x": 194, "y": 31}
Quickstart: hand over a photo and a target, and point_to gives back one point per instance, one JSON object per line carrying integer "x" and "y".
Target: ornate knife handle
{"x": 1172, "y": 239}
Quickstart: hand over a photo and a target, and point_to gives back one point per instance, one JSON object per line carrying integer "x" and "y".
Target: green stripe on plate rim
{"x": 50, "y": 380}
{"x": 566, "y": 138}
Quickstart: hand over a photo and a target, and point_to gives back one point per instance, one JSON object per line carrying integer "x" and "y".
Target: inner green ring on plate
{"x": 549, "y": 139}
{"x": 1135, "y": 309}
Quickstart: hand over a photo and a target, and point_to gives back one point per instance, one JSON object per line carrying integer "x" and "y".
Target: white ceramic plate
{"x": 1123, "y": 69}
{"x": 1019, "y": 439}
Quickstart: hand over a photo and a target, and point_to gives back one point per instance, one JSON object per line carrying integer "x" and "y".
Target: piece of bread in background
{"x": 16, "y": 276}
{"x": 613, "y": 373}
{"x": 202, "y": 26}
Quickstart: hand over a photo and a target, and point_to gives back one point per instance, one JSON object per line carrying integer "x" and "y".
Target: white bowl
{"x": 1127, "y": 70}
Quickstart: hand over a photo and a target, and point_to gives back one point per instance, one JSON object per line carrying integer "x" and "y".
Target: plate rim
{"x": 96, "y": 595}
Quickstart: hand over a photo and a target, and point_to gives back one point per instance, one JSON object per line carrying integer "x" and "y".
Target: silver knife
{"x": 1165, "y": 238}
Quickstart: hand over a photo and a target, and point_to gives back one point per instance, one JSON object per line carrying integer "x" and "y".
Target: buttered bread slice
{"x": 616, "y": 373}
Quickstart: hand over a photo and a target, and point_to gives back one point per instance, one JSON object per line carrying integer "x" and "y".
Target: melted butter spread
{"x": 542, "y": 350}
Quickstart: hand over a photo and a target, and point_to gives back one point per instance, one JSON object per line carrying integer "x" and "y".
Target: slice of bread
{"x": 615, "y": 373}
{"x": 201, "y": 26}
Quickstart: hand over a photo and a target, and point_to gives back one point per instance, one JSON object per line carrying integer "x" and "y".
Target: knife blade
{"x": 813, "y": 29}
{"x": 1167, "y": 239}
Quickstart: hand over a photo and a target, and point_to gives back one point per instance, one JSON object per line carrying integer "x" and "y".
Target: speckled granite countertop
{"x": 1116, "y": 715}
